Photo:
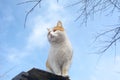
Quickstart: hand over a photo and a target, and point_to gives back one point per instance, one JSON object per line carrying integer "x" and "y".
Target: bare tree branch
{"x": 114, "y": 39}
{"x": 76, "y": 3}
{"x": 104, "y": 33}
{"x": 109, "y": 45}
{"x": 31, "y": 11}
{"x": 26, "y": 2}
{"x": 27, "y": 14}
{"x": 91, "y": 7}
{"x": 115, "y": 4}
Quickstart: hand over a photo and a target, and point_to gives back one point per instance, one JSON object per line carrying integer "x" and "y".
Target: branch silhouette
{"x": 27, "y": 14}
{"x": 88, "y": 8}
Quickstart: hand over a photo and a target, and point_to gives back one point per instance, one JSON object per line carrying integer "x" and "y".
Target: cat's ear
{"x": 59, "y": 24}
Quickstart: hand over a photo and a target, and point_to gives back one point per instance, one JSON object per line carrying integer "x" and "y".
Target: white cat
{"x": 60, "y": 54}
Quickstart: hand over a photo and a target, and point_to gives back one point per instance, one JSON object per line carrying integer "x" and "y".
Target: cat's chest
{"x": 56, "y": 50}
{"x": 62, "y": 49}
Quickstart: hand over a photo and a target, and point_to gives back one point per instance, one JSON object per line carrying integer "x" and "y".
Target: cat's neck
{"x": 55, "y": 44}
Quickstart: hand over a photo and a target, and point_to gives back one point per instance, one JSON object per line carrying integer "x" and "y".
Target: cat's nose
{"x": 51, "y": 36}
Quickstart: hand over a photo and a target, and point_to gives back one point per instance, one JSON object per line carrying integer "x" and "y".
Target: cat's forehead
{"x": 57, "y": 27}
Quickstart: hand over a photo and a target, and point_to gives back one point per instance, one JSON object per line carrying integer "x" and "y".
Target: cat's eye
{"x": 54, "y": 30}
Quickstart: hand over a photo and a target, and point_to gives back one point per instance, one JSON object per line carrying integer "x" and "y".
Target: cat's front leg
{"x": 48, "y": 67}
{"x": 65, "y": 68}
{"x": 57, "y": 69}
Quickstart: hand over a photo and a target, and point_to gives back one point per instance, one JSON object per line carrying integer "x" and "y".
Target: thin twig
{"x": 26, "y": 2}
{"x": 93, "y": 6}
{"x": 7, "y": 71}
{"x": 105, "y": 33}
{"x": 109, "y": 45}
{"x": 26, "y": 16}
{"x": 76, "y": 3}
{"x": 115, "y": 4}
{"x": 114, "y": 39}
{"x": 116, "y": 32}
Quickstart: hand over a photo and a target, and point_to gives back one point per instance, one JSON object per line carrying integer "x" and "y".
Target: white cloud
{"x": 38, "y": 36}
{"x": 15, "y": 55}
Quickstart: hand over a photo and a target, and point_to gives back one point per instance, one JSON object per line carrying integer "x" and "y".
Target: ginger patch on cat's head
{"x": 58, "y": 26}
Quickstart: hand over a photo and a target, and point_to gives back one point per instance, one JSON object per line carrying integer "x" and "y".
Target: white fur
{"x": 60, "y": 54}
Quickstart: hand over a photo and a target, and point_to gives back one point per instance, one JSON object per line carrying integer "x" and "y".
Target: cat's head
{"x": 56, "y": 34}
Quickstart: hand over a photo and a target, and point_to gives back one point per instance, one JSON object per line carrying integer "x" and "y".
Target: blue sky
{"x": 22, "y": 49}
